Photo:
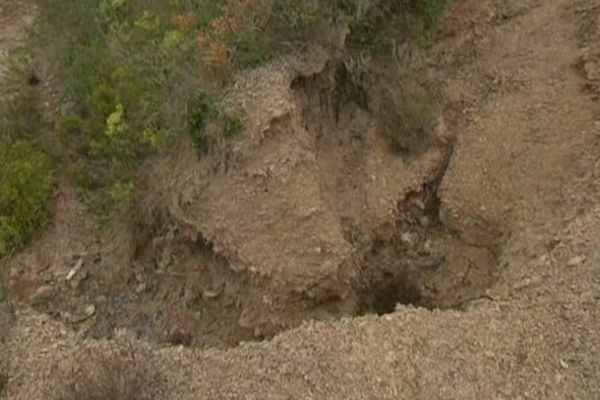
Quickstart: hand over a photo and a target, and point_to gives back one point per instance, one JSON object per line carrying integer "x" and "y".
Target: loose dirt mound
{"x": 311, "y": 216}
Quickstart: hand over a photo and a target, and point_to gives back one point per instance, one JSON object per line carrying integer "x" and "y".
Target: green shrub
{"x": 231, "y": 126}
{"x": 25, "y": 190}
{"x": 252, "y": 48}
{"x": 379, "y": 27}
{"x": 201, "y": 111}
{"x": 118, "y": 61}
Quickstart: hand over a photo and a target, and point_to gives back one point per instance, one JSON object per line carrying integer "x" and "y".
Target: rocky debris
{"x": 90, "y": 311}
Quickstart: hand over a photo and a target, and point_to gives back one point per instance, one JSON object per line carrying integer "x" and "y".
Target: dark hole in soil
{"x": 395, "y": 291}
{"x": 33, "y": 79}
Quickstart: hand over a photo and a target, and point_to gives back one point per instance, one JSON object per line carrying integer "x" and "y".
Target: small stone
{"x": 141, "y": 288}
{"x": 74, "y": 270}
{"x": 420, "y": 204}
{"x": 526, "y": 283}
{"x": 90, "y": 310}
{"x": 313, "y": 210}
{"x": 407, "y": 238}
{"x": 42, "y": 295}
{"x": 211, "y": 294}
{"x": 575, "y": 261}
{"x": 563, "y": 364}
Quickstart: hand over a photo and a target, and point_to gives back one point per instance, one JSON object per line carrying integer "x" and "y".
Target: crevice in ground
{"x": 414, "y": 257}
{"x": 180, "y": 288}
{"x": 422, "y": 262}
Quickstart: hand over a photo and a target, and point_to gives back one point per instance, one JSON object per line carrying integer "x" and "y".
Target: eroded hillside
{"x": 459, "y": 260}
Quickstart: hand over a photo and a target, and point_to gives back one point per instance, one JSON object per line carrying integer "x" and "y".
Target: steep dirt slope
{"x": 523, "y": 148}
{"x": 520, "y": 92}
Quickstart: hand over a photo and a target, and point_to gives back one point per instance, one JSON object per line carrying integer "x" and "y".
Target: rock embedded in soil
{"x": 575, "y": 261}
{"x": 43, "y": 295}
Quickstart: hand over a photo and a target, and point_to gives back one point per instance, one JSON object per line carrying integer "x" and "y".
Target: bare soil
{"x": 468, "y": 269}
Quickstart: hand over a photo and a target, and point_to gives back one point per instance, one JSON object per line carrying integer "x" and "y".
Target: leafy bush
{"x": 252, "y": 48}
{"x": 231, "y": 126}
{"x": 120, "y": 63}
{"x": 202, "y": 110}
{"x": 25, "y": 189}
{"x": 26, "y": 178}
